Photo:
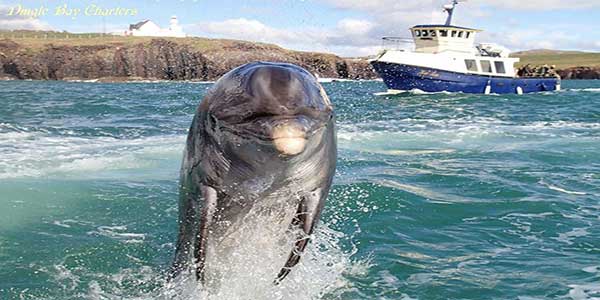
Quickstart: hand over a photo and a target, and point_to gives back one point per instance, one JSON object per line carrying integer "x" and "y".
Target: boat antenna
{"x": 449, "y": 8}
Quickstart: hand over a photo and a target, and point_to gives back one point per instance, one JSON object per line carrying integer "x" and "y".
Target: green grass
{"x": 562, "y": 59}
{"x": 37, "y": 40}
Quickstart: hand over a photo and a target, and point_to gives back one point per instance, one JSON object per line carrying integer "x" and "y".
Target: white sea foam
{"x": 25, "y": 153}
{"x": 37, "y": 154}
{"x": 592, "y": 269}
{"x": 585, "y": 90}
{"x": 415, "y": 136}
{"x": 399, "y": 152}
{"x": 119, "y": 233}
{"x": 569, "y": 236}
{"x": 244, "y": 262}
{"x": 539, "y": 215}
{"x": 61, "y": 224}
{"x": 584, "y": 291}
{"x": 413, "y": 92}
{"x": 555, "y": 188}
{"x": 333, "y": 80}
{"x": 433, "y": 196}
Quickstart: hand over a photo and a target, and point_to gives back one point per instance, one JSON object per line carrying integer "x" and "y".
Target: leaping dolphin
{"x": 260, "y": 157}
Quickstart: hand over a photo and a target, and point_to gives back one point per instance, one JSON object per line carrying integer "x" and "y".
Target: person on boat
{"x": 534, "y": 71}
{"x": 521, "y": 71}
{"x": 525, "y": 71}
{"x": 545, "y": 71}
{"x": 553, "y": 72}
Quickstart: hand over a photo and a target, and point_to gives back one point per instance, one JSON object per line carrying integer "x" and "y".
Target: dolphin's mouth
{"x": 289, "y": 138}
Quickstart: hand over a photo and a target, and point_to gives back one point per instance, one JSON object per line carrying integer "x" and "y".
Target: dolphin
{"x": 259, "y": 161}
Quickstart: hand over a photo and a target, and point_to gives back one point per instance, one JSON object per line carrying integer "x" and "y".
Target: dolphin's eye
{"x": 212, "y": 122}
{"x": 311, "y": 113}
{"x": 258, "y": 115}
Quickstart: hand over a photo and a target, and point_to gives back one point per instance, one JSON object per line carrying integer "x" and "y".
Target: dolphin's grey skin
{"x": 263, "y": 137}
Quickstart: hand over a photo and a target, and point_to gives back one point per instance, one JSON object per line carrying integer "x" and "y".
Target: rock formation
{"x": 157, "y": 58}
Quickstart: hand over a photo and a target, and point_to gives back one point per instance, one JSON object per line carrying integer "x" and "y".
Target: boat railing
{"x": 397, "y": 43}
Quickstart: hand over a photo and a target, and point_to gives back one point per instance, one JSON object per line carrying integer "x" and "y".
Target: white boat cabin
{"x": 440, "y": 38}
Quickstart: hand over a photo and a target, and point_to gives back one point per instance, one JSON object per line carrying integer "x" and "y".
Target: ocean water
{"x": 436, "y": 196}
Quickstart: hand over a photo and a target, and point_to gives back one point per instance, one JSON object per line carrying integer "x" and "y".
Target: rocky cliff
{"x": 580, "y": 73}
{"x": 127, "y": 58}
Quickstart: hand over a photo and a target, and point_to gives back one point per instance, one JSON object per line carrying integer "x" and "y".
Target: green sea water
{"x": 436, "y": 196}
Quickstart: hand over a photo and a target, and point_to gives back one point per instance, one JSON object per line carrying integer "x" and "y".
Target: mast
{"x": 449, "y": 8}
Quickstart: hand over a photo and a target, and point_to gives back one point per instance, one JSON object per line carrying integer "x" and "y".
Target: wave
{"x": 331, "y": 79}
{"x": 584, "y": 291}
{"x": 569, "y": 236}
{"x": 139, "y": 81}
{"x": 594, "y": 90}
{"x": 119, "y": 233}
{"x": 37, "y": 154}
{"x": 26, "y": 153}
{"x": 429, "y": 136}
{"x": 591, "y": 269}
{"x": 555, "y": 188}
{"x": 412, "y": 92}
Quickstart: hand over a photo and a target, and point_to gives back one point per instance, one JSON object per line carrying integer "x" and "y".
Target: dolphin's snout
{"x": 289, "y": 138}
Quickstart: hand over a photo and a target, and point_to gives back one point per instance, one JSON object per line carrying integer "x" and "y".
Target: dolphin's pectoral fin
{"x": 206, "y": 217}
{"x": 305, "y": 219}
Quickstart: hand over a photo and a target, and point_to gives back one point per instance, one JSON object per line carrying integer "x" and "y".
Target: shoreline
{"x": 141, "y": 59}
{"x": 155, "y": 80}
{"x": 151, "y": 80}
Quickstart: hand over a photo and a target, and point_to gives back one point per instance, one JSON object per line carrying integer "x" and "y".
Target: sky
{"x": 343, "y": 27}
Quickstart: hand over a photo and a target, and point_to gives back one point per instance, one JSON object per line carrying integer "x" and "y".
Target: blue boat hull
{"x": 406, "y": 78}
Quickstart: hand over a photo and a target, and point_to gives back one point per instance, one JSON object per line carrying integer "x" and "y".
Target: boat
{"x": 445, "y": 58}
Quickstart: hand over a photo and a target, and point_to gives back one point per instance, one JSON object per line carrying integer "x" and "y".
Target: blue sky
{"x": 344, "y": 27}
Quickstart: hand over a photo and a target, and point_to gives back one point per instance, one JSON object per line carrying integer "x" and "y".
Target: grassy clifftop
{"x": 562, "y": 59}
{"x": 38, "y": 40}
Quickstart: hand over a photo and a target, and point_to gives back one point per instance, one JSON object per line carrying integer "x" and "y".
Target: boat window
{"x": 499, "y": 67}
{"x": 453, "y": 33}
{"x": 432, "y": 33}
{"x": 468, "y": 35}
{"x": 417, "y": 33}
{"x": 424, "y": 33}
{"x": 471, "y": 65}
{"x": 460, "y": 33}
{"x": 444, "y": 33}
{"x": 486, "y": 66}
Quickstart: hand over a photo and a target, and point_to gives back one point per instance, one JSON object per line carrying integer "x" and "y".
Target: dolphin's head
{"x": 276, "y": 109}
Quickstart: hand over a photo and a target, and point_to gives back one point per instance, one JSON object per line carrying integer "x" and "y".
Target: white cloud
{"x": 353, "y": 26}
{"x": 528, "y": 39}
{"x": 20, "y": 22}
{"x": 350, "y": 37}
{"x": 244, "y": 29}
{"x": 540, "y": 4}
{"x": 413, "y": 5}
{"x": 361, "y": 36}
